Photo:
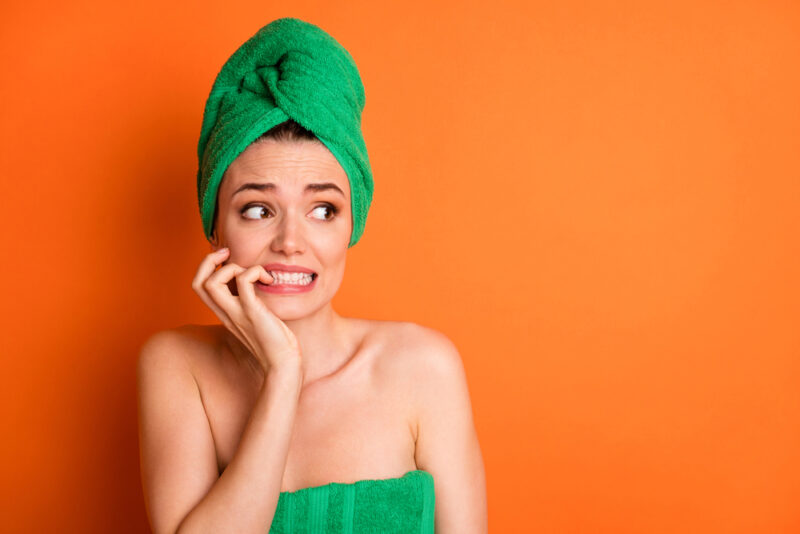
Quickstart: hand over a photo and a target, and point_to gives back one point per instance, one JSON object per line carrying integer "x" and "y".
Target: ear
{"x": 214, "y": 240}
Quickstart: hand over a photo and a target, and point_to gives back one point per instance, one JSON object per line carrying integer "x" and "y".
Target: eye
{"x": 255, "y": 209}
{"x": 331, "y": 209}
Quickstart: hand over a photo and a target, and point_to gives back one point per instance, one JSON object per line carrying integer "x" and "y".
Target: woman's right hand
{"x": 267, "y": 337}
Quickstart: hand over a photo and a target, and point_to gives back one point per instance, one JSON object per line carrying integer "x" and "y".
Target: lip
{"x": 288, "y": 268}
{"x": 286, "y": 289}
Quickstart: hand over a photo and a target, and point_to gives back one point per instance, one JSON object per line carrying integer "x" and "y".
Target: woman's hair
{"x": 287, "y": 131}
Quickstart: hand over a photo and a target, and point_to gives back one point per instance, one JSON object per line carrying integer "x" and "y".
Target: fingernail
{"x": 224, "y": 249}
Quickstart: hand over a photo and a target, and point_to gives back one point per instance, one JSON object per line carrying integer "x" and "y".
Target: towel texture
{"x": 404, "y": 505}
{"x": 290, "y": 69}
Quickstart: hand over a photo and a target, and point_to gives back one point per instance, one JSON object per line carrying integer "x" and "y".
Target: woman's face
{"x": 287, "y": 202}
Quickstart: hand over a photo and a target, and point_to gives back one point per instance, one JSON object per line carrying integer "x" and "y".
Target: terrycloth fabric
{"x": 403, "y": 505}
{"x": 288, "y": 69}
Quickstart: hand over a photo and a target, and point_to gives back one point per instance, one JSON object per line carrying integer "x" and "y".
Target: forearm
{"x": 245, "y": 496}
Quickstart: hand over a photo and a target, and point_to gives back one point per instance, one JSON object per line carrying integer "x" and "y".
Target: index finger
{"x": 208, "y": 266}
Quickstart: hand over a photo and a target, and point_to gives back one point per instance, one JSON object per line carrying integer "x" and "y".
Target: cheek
{"x": 332, "y": 254}
{"x": 244, "y": 249}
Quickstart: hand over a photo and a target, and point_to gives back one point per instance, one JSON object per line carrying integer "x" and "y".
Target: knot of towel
{"x": 290, "y": 69}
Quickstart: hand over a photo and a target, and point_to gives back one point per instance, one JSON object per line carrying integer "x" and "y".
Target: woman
{"x": 289, "y": 417}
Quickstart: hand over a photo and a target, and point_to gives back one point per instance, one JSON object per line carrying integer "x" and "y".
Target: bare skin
{"x": 286, "y": 393}
{"x": 351, "y": 425}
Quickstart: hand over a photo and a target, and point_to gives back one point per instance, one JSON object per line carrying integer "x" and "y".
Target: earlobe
{"x": 214, "y": 241}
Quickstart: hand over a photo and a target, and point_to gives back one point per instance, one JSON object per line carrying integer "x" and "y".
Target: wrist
{"x": 284, "y": 375}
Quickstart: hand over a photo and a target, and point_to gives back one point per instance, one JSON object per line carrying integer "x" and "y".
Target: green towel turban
{"x": 290, "y": 69}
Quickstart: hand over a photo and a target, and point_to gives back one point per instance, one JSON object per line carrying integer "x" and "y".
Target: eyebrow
{"x": 269, "y": 186}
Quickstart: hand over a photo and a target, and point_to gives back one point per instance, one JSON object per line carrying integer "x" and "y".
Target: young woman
{"x": 289, "y": 417}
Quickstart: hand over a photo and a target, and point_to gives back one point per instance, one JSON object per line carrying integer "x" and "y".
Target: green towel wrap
{"x": 290, "y": 69}
{"x": 403, "y": 505}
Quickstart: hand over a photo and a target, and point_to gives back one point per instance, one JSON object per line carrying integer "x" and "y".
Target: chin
{"x": 291, "y": 316}
{"x": 289, "y": 308}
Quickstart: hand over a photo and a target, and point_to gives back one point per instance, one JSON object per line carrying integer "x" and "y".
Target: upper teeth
{"x": 291, "y": 278}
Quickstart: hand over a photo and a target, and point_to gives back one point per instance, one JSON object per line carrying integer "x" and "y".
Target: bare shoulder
{"x": 177, "y": 452}
{"x": 445, "y": 439}
{"x": 186, "y": 345}
{"x": 424, "y": 353}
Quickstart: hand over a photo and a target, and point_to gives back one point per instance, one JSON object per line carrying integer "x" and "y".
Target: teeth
{"x": 301, "y": 279}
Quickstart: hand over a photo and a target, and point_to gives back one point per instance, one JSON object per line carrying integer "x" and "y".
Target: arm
{"x": 447, "y": 443}
{"x": 183, "y": 491}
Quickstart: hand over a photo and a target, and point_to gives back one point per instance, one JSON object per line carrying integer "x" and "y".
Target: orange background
{"x": 597, "y": 203}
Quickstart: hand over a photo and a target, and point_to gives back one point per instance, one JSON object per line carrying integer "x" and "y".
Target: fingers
{"x": 205, "y": 269}
{"x": 245, "y": 281}
{"x": 214, "y": 289}
{"x": 205, "y": 284}
{"x": 242, "y": 311}
{"x": 207, "y": 266}
{"x": 217, "y": 286}
{"x": 236, "y": 313}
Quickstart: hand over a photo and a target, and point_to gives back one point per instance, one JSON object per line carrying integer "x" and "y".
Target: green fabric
{"x": 403, "y": 505}
{"x": 290, "y": 69}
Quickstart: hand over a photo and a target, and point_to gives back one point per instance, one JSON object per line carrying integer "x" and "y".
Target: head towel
{"x": 290, "y": 69}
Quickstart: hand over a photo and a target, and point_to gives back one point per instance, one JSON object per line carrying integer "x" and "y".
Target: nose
{"x": 289, "y": 237}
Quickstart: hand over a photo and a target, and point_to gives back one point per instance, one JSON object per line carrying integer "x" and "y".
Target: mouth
{"x": 288, "y": 278}
{"x": 287, "y": 284}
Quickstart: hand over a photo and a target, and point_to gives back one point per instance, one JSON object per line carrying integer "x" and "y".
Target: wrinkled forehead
{"x": 284, "y": 167}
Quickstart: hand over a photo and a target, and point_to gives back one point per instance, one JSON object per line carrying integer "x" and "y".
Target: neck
{"x": 325, "y": 342}
{"x": 325, "y": 339}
